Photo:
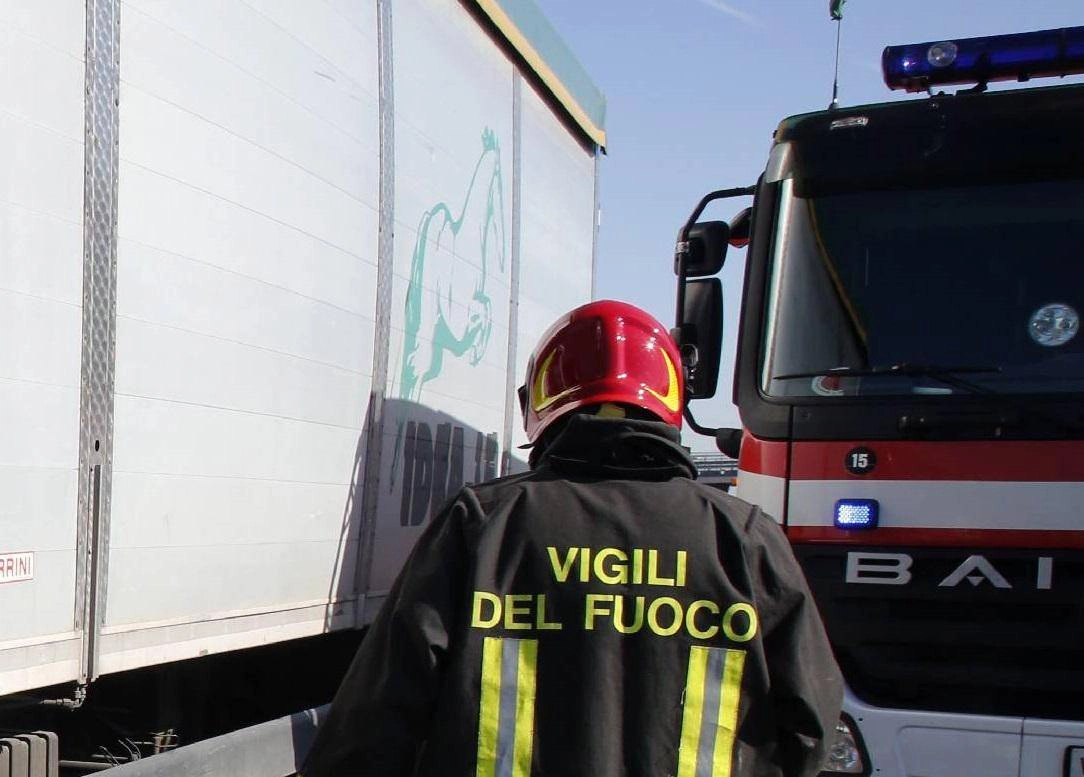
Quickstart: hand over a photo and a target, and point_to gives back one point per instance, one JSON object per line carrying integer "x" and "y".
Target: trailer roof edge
{"x": 528, "y": 31}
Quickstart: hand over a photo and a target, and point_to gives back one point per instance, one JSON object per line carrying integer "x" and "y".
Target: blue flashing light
{"x": 857, "y": 513}
{"x": 1017, "y": 57}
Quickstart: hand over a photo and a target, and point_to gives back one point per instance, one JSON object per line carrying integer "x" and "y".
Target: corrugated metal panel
{"x": 557, "y": 229}
{"x": 449, "y": 305}
{"x": 42, "y": 91}
{"x": 246, "y": 291}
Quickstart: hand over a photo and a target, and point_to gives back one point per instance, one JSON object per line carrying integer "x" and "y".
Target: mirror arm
{"x": 704, "y": 430}
{"x": 681, "y": 251}
{"x": 728, "y": 441}
{"x": 720, "y": 194}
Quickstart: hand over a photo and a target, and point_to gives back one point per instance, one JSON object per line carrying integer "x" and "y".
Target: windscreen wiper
{"x": 945, "y": 374}
{"x": 949, "y": 376}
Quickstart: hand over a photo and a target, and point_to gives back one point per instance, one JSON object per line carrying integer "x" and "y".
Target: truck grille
{"x": 972, "y": 647}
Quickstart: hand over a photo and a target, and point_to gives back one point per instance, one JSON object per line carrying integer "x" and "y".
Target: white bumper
{"x": 908, "y": 743}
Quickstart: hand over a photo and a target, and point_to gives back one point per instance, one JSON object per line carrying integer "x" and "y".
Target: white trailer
{"x": 269, "y": 274}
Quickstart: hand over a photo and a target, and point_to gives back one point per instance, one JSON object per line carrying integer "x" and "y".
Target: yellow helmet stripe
{"x": 539, "y": 399}
{"x": 671, "y": 401}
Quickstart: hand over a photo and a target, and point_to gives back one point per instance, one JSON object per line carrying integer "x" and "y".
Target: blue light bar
{"x": 857, "y": 513}
{"x": 1018, "y": 57}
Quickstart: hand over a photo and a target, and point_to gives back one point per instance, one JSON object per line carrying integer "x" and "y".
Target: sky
{"x": 694, "y": 89}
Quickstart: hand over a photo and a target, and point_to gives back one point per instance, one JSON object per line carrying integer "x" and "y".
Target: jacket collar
{"x": 616, "y": 448}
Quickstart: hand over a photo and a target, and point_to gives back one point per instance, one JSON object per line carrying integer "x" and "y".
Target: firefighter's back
{"x": 613, "y": 630}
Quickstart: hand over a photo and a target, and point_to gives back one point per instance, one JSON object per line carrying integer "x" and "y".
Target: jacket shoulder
{"x": 747, "y": 517}
{"x": 482, "y": 496}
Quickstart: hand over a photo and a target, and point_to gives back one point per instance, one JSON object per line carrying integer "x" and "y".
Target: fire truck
{"x": 910, "y": 381}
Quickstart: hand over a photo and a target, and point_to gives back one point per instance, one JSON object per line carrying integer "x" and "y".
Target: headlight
{"x": 845, "y": 754}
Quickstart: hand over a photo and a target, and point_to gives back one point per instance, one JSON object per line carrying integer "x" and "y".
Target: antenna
{"x": 835, "y": 11}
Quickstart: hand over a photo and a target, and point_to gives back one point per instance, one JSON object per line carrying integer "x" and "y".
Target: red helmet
{"x": 603, "y": 351}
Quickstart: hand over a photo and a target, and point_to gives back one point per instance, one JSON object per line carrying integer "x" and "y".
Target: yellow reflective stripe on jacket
{"x": 489, "y": 707}
{"x": 710, "y": 716}
{"x": 506, "y": 711}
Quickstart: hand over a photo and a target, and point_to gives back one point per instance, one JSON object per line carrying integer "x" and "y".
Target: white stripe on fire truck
{"x": 765, "y": 491}
{"x": 942, "y": 504}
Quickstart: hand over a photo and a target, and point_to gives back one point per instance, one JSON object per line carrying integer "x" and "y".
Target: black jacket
{"x": 602, "y": 615}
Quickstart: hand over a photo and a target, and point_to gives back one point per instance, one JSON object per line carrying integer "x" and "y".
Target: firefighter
{"x": 602, "y": 614}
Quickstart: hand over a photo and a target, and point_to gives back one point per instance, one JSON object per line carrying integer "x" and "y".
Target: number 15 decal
{"x": 860, "y": 461}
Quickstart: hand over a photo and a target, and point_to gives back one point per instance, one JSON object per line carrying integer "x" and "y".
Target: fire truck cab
{"x": 910, "y": 382}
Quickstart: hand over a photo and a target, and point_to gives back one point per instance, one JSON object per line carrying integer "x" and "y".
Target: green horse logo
{"x": 448, "y": 310}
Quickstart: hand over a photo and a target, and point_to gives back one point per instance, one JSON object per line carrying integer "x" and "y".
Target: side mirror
{"x": 701, "y": 336}
{"x": 728, "y": 441}
{"x": 706, "y": 249}
{"x": 740, "y": 227}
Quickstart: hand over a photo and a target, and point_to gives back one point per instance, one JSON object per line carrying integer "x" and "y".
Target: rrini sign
{"x": 16, "y": 566}
{"x": 895, "y": 569}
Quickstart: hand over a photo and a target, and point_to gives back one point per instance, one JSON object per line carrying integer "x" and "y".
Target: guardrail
{"x": 272, "y": 749}
{"x": 35, "y": 754}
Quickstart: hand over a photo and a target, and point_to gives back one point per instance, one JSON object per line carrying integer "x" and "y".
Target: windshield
{"x": 934, "y": 291}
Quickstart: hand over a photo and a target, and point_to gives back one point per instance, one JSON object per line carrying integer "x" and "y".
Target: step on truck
{"x": 269, "y": 274}
{"x": 910, "y": 382}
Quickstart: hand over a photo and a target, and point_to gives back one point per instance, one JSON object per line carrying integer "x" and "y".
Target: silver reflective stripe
{"x": 709, "y": 722}
{"x": 710, "y": 712}
{"x": 506, "y": 707}
{"x": 506, "y": 729}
